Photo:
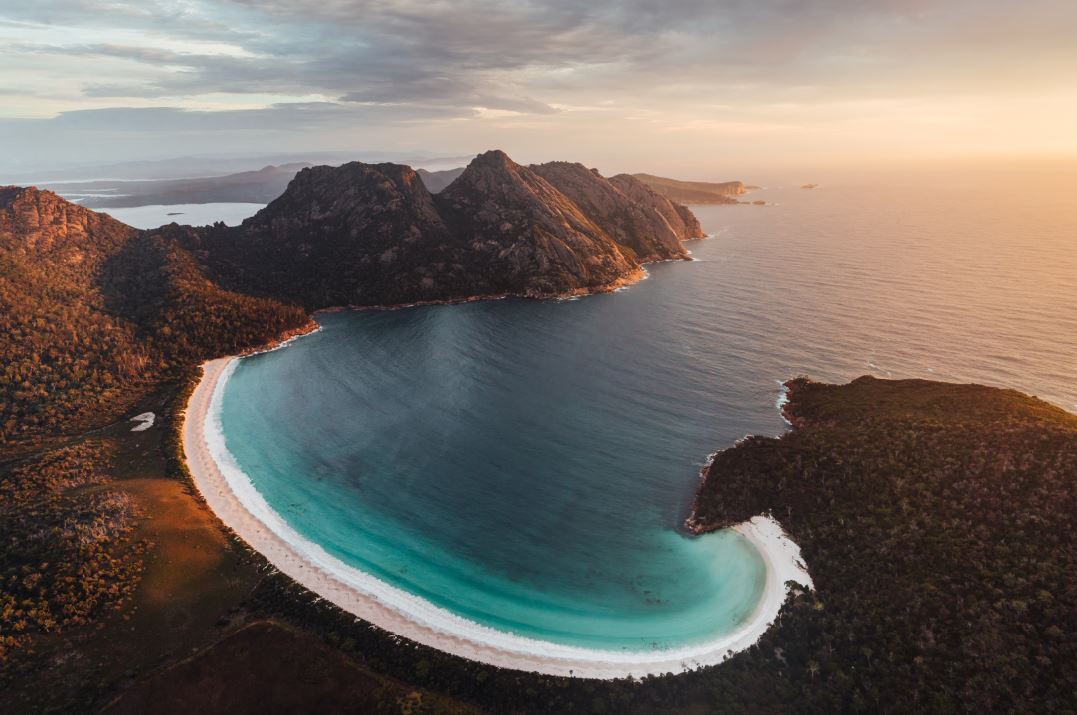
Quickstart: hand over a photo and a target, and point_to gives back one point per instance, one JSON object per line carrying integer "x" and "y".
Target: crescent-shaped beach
{"x": 231, "y": 496}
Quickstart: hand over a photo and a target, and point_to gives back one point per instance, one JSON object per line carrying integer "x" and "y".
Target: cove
{"x": 526, "y": 466}
{"x": 523, "y": 465}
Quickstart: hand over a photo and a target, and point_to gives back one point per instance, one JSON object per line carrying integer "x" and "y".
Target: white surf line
{"x": 782, "y": 401}
{"x": 145, "y": 421}
{"x": 231, "y": 495}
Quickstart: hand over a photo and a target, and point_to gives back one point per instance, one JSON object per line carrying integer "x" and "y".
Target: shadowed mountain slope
{"x": 92, "y": 311}
{"x": 363, "y": 234}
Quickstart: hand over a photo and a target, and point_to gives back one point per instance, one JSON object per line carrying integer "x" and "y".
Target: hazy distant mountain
{"x": 694, "y": 192}
{"x": 259, "y": 187}
{"x": 218, "y": 165}
{"x": 436, "y": 181}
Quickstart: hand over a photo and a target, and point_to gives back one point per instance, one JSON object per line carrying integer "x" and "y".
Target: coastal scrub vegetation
{"x": 93, "y": 314}
{"x": 938, "y": 524}
{"x": 66, "y": 556}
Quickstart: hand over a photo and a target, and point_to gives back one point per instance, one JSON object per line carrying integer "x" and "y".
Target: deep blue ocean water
{"x": 527, "y": 464}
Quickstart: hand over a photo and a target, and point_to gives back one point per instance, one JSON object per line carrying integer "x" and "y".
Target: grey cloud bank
{"x": 133, "y": 76}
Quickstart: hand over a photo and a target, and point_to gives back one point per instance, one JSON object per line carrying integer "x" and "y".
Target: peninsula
{"x": 694, "y": 192}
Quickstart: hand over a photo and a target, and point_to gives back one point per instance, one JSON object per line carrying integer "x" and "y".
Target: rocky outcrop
{"x": 355, "y": 234}
{"x": 637, "y": 225}
{"x": 680, "y": 218}
{"x": 526, "y": 237}
{"x": 373, "y": 234}
{"x": 36, "y": 222}
{"x": 365, "y": 234}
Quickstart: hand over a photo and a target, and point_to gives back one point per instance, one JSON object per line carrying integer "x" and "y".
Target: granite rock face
{"x": 363, "y": 234}
{"x": 635, "y": 224}
{"x": 36, "y": 222}
{"x": 525, "y": 236}
{"x": 680, "y": 218}
{"x": 355, "y": 234}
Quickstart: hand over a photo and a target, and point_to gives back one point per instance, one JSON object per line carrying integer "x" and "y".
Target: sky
{"x": 700, "y": 88}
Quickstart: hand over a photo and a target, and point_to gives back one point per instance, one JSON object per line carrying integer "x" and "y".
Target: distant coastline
{"x": 230, "y": 495}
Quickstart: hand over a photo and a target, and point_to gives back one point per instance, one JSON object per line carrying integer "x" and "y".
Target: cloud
{"x": 396, "y": 63}
{"x": 510, "y": 54}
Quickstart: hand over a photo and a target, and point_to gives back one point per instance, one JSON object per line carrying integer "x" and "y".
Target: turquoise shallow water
{"x": 442, "y": 450}
{"x": 527, "y": 464}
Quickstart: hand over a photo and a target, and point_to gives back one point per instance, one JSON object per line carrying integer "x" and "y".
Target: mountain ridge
{"x": 499, "y": 228}
{"x": 94, "y": 312}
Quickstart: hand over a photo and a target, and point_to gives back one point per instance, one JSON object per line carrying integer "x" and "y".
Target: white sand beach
{"x": 229, "y": 493}
{"x": 144, "y": 420}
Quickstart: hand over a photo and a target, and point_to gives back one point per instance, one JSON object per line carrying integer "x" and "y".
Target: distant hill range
{"x": 258, "y": 187}
{"x": 94, "y": 312}
{"x": 694, "y": 192}
{"x": 436, "y": 181}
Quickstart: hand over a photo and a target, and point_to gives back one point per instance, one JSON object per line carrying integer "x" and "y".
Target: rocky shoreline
{"x": 696, "y": 526}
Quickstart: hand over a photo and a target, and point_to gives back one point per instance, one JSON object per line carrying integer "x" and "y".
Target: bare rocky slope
{"x": 678, "y": 216}
{"x": 630, "y": 215}
{"x": 363, "y": 234}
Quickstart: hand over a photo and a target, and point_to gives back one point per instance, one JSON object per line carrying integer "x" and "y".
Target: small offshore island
{"x": 937, "y": 519}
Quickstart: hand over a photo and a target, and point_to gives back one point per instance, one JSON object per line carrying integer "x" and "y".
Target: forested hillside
{"x": 938, "y": 521}
{"x": 93, "y": 313}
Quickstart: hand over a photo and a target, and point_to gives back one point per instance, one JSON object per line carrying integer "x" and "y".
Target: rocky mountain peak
{"x": 494, "y": 158}
{"x": 636, "y": 222}
{"x": 679, "y": 217}
{"x": 36, "y": 220}
{"x": 352, "y": 198}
